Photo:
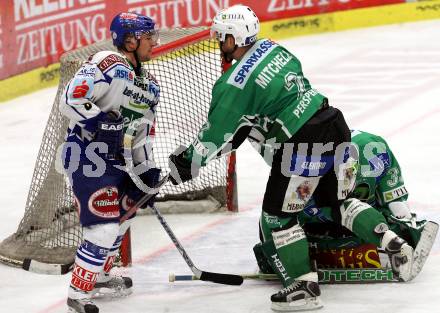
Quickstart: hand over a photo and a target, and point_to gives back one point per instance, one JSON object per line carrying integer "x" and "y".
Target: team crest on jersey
{"x": 298, "y": 193}
{"x": 104, "y": 203}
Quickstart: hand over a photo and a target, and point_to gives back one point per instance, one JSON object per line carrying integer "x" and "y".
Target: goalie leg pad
{"x": 423, "y": 247}
{"x": 408, "y": 229}
{"x": 264, "y": 265}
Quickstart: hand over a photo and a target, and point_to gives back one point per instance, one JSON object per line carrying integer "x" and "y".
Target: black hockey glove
{"x": 111, "y": 132}
{"x": 180, "y": 168}
{"x": 149, "y": 178}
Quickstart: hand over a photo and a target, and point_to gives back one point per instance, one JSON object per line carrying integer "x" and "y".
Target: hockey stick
{"x": 326, "y": 276}
{"x": 226, "y": 279}
{"x": 219, "y": 278}
{"x": 143, "y": 200}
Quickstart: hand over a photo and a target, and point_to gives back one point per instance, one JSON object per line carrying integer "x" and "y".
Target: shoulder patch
{"x": 110, "y": 60}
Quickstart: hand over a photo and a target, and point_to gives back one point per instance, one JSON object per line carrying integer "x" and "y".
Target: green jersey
{"x": 265, "y": 90}
{"x": 379, "y": 179}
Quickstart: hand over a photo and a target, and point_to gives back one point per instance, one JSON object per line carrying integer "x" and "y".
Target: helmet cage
{"x": 153, "y": 34}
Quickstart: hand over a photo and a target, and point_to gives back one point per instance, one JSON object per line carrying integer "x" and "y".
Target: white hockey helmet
{"x": 239, "y": 21}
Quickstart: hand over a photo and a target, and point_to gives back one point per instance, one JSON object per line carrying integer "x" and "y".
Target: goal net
{"x": 187, "y": 63}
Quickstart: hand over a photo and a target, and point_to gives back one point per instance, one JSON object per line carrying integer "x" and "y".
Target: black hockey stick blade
{"x": 46, "y": 268}
{"x": 225, "y": 279}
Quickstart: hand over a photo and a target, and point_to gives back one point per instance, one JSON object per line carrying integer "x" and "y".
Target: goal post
{"x": 186, "y": 64}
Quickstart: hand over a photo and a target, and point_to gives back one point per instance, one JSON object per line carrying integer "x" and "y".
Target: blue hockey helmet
{"x": 135, "y": 24}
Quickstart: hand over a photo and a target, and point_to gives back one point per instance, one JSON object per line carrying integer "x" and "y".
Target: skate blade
{"x": 423, "y": 248}
{"x": 110, "y": 294}
{"x": 308, "y": 304}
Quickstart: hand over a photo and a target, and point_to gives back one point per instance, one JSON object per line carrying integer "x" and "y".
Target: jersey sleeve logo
{"x": 81, "y": 88}
{"x": 394, "y": 194}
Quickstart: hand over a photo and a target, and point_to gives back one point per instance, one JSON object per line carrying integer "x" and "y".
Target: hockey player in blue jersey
{"x": 109, "y": 91}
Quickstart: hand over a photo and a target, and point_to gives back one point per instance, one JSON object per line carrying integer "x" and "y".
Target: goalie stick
{"x": 326, "y": 276}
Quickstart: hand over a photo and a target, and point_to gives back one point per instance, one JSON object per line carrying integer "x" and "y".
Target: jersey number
{"x": 291, "y": 79}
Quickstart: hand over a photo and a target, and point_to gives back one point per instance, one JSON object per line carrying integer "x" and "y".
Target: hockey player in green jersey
{"x": 379, "y": 182}
{"x": 266, "y": 90}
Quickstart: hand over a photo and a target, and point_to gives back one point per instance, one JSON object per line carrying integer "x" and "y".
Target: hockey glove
{"x": 180, "y": 168}
{"x": 111, "y": 132}
{"x": 149, "y": 178}
{"x": 400, "y": 209}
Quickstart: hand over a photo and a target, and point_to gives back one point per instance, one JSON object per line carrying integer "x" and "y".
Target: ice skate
{"x": 299, "y": 296}
{"x": 112, "y": 286}
{"x": 81, "y": 306}
{"x": 79, "y": 301}
{"x": 401, "y": 256}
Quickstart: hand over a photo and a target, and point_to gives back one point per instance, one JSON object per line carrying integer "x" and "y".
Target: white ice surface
{"x": 385, "y": 79}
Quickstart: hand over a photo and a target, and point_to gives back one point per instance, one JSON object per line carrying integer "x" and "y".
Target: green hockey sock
{"x": 363, "y": 220}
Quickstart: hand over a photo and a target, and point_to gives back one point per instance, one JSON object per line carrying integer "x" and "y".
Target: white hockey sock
{"x": 90, "y": 258}
{"x": 311, "y": 276}
{"x": 111, "y": 256}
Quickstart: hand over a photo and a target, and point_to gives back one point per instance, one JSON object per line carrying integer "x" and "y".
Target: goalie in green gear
{"x": 379, "y": 184}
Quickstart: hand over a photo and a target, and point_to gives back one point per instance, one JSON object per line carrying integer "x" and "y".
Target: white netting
{"x": 49, "y": 231}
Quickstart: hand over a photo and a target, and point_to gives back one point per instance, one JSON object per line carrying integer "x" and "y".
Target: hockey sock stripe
{"x": 93, "y": 250}
{"x": 89, "y": 260}
{"x": 92, "y": 254}
{"x": 88, "y": 254}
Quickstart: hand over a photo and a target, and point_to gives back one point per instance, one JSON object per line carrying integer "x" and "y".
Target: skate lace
{"x": 290, "y": 288}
